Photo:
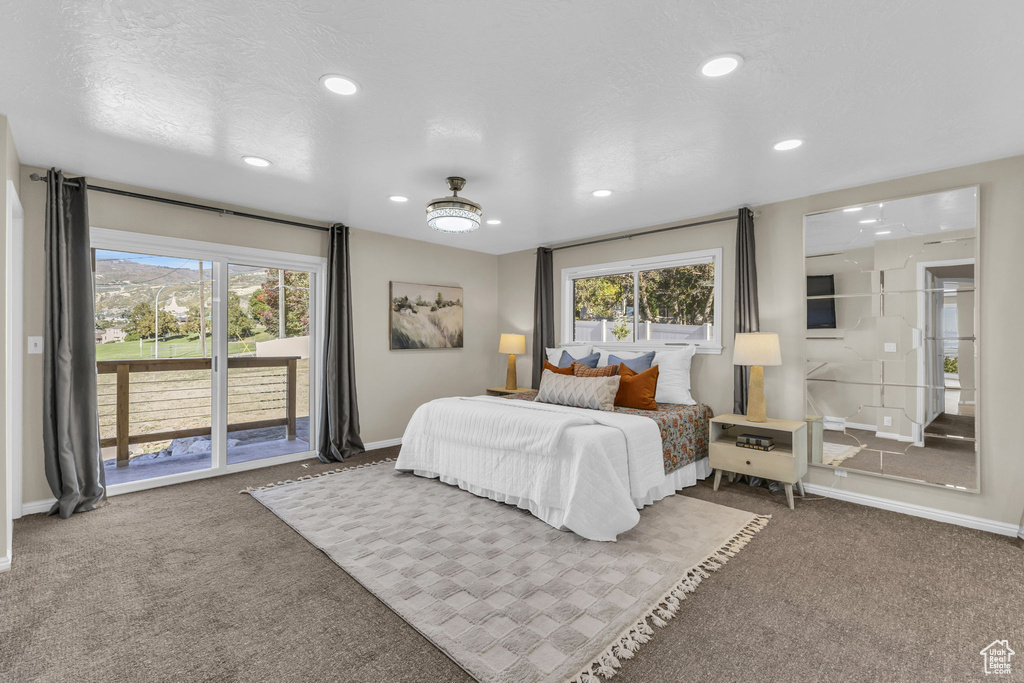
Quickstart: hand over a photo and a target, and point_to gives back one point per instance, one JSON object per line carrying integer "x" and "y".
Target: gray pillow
{"x": 596, "y": 393}
{"x": 590, "y": 361}
{"x": 638, "y": 364}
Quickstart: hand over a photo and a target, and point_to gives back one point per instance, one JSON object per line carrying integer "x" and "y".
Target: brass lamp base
{"x": 756, "y": 408}
{"x": 511, "y": 382}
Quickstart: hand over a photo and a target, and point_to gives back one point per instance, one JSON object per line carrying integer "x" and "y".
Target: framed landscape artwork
{"x": 425, "y": 316}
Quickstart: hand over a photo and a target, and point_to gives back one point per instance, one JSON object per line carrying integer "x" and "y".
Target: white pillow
{"x": 577, "y": 351}
{"x": 674, "y": 376}
{"x": 624, "y": 355}
{"x": 596, "y": 393}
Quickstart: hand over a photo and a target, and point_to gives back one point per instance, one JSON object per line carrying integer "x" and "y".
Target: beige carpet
{"x": 508, "y": 597}
{"x": 197, "y": 583}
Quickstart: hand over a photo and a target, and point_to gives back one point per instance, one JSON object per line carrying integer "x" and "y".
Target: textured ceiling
{"x": 536, "y": 103}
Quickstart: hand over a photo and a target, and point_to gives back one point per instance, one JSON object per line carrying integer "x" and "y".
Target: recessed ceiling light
{"x": 787, "y": 145}
{"x": 494, "y": 221}
{"x": 884, "y": 232}
{"x": 852, "y": 209}
{"x": 601, "y": 193}
{"x": 721, "y": 65}
{"x": 870, "y": 220}
{"x": 339, "y": 84}
{"x": 398, "y": 198}
{"x": 256, "y": 161}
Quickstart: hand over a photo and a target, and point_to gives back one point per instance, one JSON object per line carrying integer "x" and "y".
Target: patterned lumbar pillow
{"x": 581, "y": 370}
{"x": 597, "y": 393}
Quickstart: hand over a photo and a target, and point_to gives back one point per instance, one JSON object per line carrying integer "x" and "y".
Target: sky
{"x": 168, "y": 261}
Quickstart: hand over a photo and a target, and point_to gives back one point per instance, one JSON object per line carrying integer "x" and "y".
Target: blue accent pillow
{"x": 638, "y": 364}
{"x": 590, "y": 361}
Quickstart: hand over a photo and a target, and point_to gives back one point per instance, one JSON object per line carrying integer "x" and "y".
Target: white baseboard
{"x": 386, "y": 443}
{"x": 990, "y": 525}
{"x": 5, "y": 563}
{"x": 37, "y": 506}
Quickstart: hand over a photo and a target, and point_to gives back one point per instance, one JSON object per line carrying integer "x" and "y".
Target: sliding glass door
{"x": 268, "y": 362}
{"x": 205, "y": 365}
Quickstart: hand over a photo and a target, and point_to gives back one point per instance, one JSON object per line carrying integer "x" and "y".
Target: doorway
{"x": 206, "y": 357}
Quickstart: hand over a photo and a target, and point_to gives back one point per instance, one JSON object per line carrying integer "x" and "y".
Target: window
{"x": 206, "y": 357}
{"x": 666, "y": 300}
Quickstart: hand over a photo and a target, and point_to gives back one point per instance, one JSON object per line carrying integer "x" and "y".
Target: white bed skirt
{"x": 682, "y": 478}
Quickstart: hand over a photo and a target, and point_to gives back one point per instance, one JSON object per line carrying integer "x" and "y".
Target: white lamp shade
{"x": 757, "y": 348}
{"x": 512, "y": 343}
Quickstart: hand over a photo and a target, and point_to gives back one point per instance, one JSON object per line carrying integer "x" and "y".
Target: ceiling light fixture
{"x": 454, "y": 214}
{"x": 852, "y": 209}
{"x": 884, "y": 232}
{"x": 721, "y": 65}
{"x": 870, "y": 220}
{"x": 787, "y": 145}
{"x": 339, "y": 85}
{"x": 494, "y": 221}
{"x": 259, "y": 162}
{"x": 601, "y": 193}
{"x": 401, "y": 199}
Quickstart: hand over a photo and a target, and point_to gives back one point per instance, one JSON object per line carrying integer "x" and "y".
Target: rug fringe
{"x": 306, "y": 477}
{"x": 629, "y": 642}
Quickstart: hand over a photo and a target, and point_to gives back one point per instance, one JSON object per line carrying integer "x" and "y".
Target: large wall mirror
{"x": 892, "y": 330}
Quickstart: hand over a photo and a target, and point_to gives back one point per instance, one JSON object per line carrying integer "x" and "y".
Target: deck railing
{"x": 125, "y": 368}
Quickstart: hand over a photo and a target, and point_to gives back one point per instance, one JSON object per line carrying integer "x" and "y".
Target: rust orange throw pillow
{"x": 637, "y": 390}
{"x": 581, "y": 370}
{"x": 557, "y": 371}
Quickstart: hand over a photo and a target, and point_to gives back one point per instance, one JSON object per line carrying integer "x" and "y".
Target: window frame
{"x": 634, "y": 266}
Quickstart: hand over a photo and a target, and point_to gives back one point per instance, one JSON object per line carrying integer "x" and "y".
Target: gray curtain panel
{"x": 543, "y": 312}
{"x": 339, "y": 411}
{"x": 747, "y": 318}
{"x": 71, "y": 440}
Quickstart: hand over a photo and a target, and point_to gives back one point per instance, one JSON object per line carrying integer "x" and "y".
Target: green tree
{"x": 140, "y": 322}
{"x": 191, "y": 324}
{"x": 239, "y": 323}
{"x": 264, "y": 306}
{"x": 684, "y": 295}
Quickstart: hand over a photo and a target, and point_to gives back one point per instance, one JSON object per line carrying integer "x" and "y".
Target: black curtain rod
{"x": 190, "y": 205}
{"x": 646, "y": 232}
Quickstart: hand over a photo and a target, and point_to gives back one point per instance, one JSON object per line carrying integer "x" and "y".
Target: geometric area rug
{"x": 507, "y": 597}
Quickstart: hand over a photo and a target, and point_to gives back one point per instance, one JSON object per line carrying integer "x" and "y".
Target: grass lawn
{"x": 173, "y": 347}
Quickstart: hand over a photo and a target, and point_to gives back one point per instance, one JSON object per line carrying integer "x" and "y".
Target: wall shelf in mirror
{"x": 892, "y": 338}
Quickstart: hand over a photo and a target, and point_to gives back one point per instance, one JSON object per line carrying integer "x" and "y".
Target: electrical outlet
{"x": 840, "y": 473}
{"x": 35, "y": 345}
{"x": 887, "y": 421}
{"x": 890, "y": 347}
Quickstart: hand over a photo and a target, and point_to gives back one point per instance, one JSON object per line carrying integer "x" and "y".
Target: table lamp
{"x": 512, "y": 344}
{"x": 756, "y": 349}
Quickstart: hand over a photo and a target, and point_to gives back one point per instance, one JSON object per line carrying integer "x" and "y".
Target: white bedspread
{"x": 583, "y": 470}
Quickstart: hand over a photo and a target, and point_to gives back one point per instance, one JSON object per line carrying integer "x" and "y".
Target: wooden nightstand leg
{"x": 800, "y": 488}
{"x": 789, "y": 496}
{"x": 718, "y": 479}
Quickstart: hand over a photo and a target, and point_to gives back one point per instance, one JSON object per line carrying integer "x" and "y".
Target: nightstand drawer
{"x": 779, "y": 465}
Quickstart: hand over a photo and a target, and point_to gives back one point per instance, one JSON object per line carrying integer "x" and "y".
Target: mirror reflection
{"x": 892, "y": 337}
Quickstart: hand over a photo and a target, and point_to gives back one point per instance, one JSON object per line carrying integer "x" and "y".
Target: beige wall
{"x": 390, "y": 384}
{"x": 780, "y": 263}
{"x": 10, "y": 156}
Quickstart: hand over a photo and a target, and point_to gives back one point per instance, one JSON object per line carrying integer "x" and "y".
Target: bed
{"x": 588, "y": 471}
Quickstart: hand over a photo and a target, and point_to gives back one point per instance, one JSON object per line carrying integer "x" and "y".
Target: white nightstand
{"x": 786, "y": 463}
